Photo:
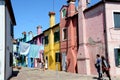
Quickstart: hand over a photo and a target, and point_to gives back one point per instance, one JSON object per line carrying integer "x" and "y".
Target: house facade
{"x": 51, "y": 45}
{"x": 39, "y": 40}
{"x": 68, "y": 36}
{"x": 98, "y": 34}
{"x": 7, "y": 21}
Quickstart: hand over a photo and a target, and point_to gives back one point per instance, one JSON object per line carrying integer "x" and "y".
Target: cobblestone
{"x": 38, "y": 74}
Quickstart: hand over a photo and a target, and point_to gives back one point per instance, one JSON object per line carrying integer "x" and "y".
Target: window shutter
{"x": 116, "y": 57}
{"x": 117, "y": 19}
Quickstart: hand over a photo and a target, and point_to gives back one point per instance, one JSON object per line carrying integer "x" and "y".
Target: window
{"x": 56, "y": 36}
{"x": 117, "y": 57}
{"x": 117, "y": 19}
{"x": 63, "y": 13}
{"x": 64, "y": 34}
{"x": 46, "y": 40}
{"x": 57, "y": 57}
{"x": 11, "y": 30}
{"x": 11, "y": 59}
{"x": 42, "y": 39}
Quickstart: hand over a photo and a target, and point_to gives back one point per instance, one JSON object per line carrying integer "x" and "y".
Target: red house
{"x": 68, "y": 36}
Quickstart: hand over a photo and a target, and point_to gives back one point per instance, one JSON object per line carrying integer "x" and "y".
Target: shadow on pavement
{"x": 14, "y": 74}
{"x": 96, "y": 78}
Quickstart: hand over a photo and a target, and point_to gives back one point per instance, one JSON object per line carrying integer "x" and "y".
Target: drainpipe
{"x": 105, "y": 32}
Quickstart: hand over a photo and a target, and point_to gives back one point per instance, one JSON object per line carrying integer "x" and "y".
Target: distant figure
{"x": 46, "y": 63}
{"x": 43, "y": 64}
{"x": 105, "y": 67}
{"x": 98, "y": 66}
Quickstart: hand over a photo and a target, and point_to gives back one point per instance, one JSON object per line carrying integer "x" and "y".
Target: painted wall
{"x": 2, "y": 41}
{"x": 48, "y": 49}
{"x": 63, "y": 44}
{"x": 97, "y": 35}
{"x": 113, "y": 35}
{"x": 94, "y": 30}
{"x": 5, "y": 42}
{"x": 69, "y": 45}
{"x": 9, "y": 44}
{"x": 57, "y": 48}
{"x": 51, "y": 48}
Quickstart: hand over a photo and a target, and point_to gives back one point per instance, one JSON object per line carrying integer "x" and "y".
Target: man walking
{"x": 98, "y": 66}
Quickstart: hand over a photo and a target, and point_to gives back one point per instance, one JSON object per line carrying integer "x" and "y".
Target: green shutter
{"x": 116, "y": 57}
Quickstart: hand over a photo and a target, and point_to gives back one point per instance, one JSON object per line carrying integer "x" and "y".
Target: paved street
{"x": 38, "y": 74}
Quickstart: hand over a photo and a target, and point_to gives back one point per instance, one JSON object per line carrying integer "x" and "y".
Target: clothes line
{"x": 31, "y": 49}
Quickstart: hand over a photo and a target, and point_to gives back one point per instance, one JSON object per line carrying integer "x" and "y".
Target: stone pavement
{"x": 38, "y": 74}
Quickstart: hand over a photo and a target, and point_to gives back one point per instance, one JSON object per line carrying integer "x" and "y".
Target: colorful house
{"x": 99, "y": 34}
{"x": 39, "y": 40}
{"x": 68, "y": 36}
{"x": 7, "y": 21}
{"x": 51, "y": 45}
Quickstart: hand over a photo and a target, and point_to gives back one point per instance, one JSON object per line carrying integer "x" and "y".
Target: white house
{"x": 7, "y": 21}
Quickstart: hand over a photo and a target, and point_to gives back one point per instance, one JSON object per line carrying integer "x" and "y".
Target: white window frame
{"x": 117, "y": 11}
{"x": 63, "y": 33}
{"x": 62, "y": 12}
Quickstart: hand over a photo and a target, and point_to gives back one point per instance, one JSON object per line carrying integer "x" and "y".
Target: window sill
{"x": 57, "y": 42}
{"x": 116, "y": 28}
{"x": 118, "y": 66}
{"x": 64, "y": 40}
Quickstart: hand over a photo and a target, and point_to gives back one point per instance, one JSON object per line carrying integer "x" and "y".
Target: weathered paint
{"x": 113, "y": 35}
{"x": 69, "y": 46}
{"x": 96, "y": 29}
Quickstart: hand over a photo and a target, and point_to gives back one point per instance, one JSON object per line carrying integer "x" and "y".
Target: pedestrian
{"x": 43, "y": 64}
{"x": 98, "y": 66}
{"x": 105, "y": 67}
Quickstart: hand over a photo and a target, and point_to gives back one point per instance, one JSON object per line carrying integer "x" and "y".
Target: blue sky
{"x": 31, "y": 13}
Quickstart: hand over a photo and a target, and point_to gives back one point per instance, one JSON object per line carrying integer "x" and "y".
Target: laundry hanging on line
{"x": 24, "y": 48}
{"x": 31, "y": 49}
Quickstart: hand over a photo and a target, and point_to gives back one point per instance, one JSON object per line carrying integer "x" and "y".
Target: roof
{"x": 112, "y": 0}
{"x": 101, "y": 2}
{"x": 10, "y": 9}
{"x": 38, "y": 36}
{"x": 51, "y": 27}
{"x": 63, "y": 7}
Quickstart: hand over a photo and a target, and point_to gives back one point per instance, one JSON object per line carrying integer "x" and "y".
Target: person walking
{"x": 98, "y": 66}
{"x": 105, "y": 67}
{"x": 43, "y": 64}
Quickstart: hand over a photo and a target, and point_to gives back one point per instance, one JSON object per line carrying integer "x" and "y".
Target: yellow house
{"x": 52, "y": 44}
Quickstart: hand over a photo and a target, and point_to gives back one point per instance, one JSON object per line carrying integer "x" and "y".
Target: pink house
{"x": 68, "y": 36}
{"x": 99, "y": 33}
{"x": 38, "y": 40}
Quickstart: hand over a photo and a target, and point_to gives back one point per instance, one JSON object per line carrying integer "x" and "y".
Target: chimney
{"x": 24, "y": 36}
{"x": 30, "y": 35}
{"x": 82, "y": 4}
{"x": 52, "y": 18}
{"x": 39, "y": 30}
{"x": 71, "y": 7}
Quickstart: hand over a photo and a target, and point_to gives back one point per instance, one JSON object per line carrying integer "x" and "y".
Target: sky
{"x": 31, "y": 13}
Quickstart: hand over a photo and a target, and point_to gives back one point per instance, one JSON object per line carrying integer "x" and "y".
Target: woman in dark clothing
{"x": 105, "y": 67}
